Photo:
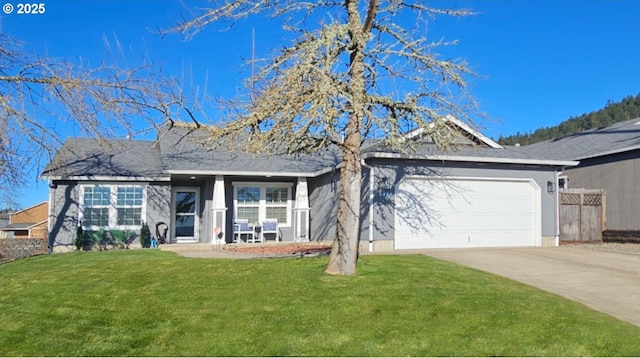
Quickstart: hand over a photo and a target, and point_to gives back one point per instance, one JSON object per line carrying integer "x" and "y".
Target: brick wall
{"x": 11, "y": 249}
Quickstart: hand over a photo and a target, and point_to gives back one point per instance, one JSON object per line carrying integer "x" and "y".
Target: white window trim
{"x": 262, "y": 207}
{"x": 113, "y": 207}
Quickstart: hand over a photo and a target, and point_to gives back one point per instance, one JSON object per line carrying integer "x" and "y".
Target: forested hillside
{"x": 627, "y": 108}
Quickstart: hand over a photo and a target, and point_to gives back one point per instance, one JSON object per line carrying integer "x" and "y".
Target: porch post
{"x": 219, "y": 212}
{"x": 301, "y": 212}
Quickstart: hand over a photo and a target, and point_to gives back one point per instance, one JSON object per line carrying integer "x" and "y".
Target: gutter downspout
{"x": 558, "y": 208}
{"x": 371, "y": 200}
{"x": 52, "y": 195}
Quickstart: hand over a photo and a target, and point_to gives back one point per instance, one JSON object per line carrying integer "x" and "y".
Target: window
{"x": 96, "y": 203}
{"x": 248, "y": 203}
{"x": 113, "y": 206}
{"x": 129, "y": 205}
{"x": 259, "y": 201}
{"x": 277, "y": 203}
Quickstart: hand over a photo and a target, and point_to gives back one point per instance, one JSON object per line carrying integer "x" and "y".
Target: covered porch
{"x": 226, "y": 209}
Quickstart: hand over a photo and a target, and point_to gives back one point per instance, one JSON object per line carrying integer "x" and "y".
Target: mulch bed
{"x": 284, "y": 249}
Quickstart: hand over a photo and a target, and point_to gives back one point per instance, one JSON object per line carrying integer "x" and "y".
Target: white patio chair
{"x": 242, "y": 227}
{"x": 269, "y": 226}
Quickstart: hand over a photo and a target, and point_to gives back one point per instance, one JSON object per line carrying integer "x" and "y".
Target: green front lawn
{"x": 153, "y": 303}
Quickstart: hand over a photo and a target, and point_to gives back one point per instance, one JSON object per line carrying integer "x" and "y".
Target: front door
{"x": 185, "y": 208}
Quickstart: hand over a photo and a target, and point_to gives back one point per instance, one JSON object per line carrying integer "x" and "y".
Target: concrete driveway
{"x": 605, "y": 281}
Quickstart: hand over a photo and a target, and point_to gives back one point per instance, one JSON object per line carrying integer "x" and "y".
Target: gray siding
{"x": 323, "y": 194}
{"x": 64, "y": 213}
{"x": 158, "y": 205}
{"x": 395, "y": 170}
{"x": 323, "y": 200}
{"x": 618, "y": 175}
{"x": 65, "y": 204}
{"x": 365, "y": 200}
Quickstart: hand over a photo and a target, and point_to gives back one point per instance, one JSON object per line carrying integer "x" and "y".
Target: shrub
{"x": 123, "y": 237}
{"x": 145, "y": 235}
{"x": 79, "y": 238}
{"x": 92, "y": 238}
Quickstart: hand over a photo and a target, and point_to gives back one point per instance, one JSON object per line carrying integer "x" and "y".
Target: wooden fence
{"x": 582, "y": 215}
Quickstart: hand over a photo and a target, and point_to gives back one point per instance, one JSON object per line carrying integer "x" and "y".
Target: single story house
{"x": 609, "y": 159}
{"x": 30, "y": 223}
{"x": 480, "y": 194}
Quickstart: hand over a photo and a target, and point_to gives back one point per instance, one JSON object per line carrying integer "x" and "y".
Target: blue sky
{"x": 539, "y": 62}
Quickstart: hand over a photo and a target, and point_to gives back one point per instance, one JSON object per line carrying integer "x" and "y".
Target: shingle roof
{"x": 467, "y": 152}
{"x": 18, "y": 226}
{"x": 616, "y": 138}
{"x": 182, "y": 153}
{"x": 4, "y": 219}
{"x": 99, "y": 157}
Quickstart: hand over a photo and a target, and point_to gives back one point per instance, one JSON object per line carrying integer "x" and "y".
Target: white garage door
{"x": 452, "y": 213}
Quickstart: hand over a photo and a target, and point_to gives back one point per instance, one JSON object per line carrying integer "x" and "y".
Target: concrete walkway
{"x": 605, "y": 281}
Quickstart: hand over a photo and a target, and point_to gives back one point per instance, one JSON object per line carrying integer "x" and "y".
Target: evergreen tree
{"x": 613, "y": 112}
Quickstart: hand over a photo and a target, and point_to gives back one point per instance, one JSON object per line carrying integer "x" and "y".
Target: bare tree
{"x": 365, "y": 70}
{"x": 43, "y": 99}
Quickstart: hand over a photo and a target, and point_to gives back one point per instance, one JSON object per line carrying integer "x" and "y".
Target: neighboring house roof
{"x": 102, "y": 158}
{"x": 21, "y": 226}
{"x": 4, "y": 219}
{"x": 616, "y": 138}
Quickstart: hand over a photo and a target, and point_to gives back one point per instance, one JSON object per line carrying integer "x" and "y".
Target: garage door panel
{"x": 466, "y": 213}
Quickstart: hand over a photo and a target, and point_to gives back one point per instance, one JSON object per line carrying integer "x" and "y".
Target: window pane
{"x": 250, "y": 213}
{"x": 277, "y": 212}
{"x": 129, "y": 196}
{"x": 276, "y": 195}
{"x": 248, "y": 195}
{"x": 96, "y": 217}
{"x": 185, "y": 202}
{"x": 185, "y": 226}
{"x": 129, "y": 216}
{"x": 96, "y": 196}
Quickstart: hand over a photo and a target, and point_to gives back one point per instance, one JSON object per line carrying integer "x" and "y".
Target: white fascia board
{"x": 36, "y": 224}
{"x": 460, "y": 124}
{"x": 251, "y": 173}
{"x": 105, "y": 178}
{"x": 413, "y": 133}
{"x": 455, "y": 158}
{"x": 463, "y": 126}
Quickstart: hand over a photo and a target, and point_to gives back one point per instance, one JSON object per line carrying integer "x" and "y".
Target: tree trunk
{"x": 344, "y": 253}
